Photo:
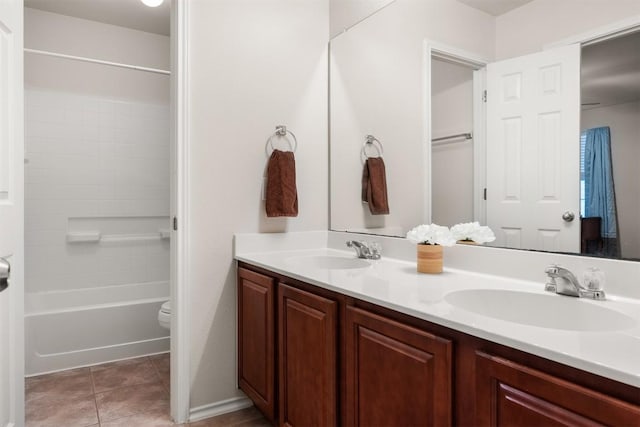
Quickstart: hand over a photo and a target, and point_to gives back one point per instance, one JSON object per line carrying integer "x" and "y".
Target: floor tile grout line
{"x": 130, "y": 385}
{"x": 95, "y": 394}
{"x": 144, "y": 411}
{"x": 164, "y": 386}
{"x": 156, "y": 365}
{"x": 95, "y": 399}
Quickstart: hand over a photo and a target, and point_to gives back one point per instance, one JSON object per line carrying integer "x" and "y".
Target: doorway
{"x": 610, "y": 98}
{"x": 456, "y": 136}
{"x": 104, "y": 133}
{"x": 452, "y": 142}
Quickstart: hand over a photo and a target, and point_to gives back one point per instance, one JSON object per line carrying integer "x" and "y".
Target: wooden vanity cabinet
{"x": 307, "y": 327}
{"x": 511, "y": 394}
{"x": 256, "y": 339}
{"x": 345, "y": 361}
{"x": 395, "y": 374}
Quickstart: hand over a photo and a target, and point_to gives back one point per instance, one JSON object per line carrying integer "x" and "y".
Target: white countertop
{"x": 395, "y": 284}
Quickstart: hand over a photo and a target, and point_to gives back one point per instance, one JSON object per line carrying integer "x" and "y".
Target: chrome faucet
{"x": 363, "y": 250}
{"x": 563, "y": 281}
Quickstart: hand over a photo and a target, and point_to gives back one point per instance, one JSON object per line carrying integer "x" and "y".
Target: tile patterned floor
{"x": 128, "y": 393}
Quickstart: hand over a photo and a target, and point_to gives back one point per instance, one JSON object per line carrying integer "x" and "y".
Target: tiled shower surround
{"x": 92, "y": 163}
{"x": 96, "y": 221}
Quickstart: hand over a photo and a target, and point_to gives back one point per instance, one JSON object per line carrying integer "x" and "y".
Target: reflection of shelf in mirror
{"x": 461, "y": 137}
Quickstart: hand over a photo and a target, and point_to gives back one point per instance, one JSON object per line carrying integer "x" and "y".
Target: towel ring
{"x": 281, "y": 131}
{"x": 372, "y": 141}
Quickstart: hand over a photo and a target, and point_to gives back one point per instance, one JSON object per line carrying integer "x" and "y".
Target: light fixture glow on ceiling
{"x": 152, "y": 3}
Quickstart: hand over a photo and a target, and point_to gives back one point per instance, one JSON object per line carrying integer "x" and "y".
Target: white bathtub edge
{"x": 48, "y": 302}
{"x": 94, "y": 356}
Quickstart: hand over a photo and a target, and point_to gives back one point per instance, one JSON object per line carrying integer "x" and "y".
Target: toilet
{"x": 164, "y": 315}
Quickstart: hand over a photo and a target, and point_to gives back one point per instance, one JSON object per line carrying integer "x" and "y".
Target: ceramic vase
{"x": 429, "y": 259}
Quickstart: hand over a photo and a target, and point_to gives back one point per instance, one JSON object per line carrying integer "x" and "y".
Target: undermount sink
{"x": 328, "y": 262}
{"x": 545, "y": 311}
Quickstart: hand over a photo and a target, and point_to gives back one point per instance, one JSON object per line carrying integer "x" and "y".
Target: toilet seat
{"x": 164, "y": 315}
{"x": 166, "y": 307}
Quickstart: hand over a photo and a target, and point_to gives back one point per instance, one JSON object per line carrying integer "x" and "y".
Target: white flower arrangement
{"x": 432, "y": 234}
{"x": 472, "y": 231}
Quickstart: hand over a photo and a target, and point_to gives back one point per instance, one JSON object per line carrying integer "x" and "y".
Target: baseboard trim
{"x": 219, "y": 408}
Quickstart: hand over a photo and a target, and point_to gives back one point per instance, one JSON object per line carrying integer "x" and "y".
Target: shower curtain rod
{"x": 97, "y": 61}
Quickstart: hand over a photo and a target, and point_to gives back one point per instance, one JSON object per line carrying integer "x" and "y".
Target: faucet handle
{"x": 375, "y": 250}
{"x": 593, "y": 279}
{"x": 552, "y": 272}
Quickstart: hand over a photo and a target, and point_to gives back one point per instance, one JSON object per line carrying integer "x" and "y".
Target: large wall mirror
{"x": 488, "y": 114}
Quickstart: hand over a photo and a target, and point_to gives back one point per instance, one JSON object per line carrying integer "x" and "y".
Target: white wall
{"x": 97, "y": 159}
{"x": 529, "y": 28}
{"x": 73, "y": 36}
{"x": 624, "y": 121}
{"x": 254, "y": 65}
{"x": 377, "y": 87}
{"x": 451, "y": 163}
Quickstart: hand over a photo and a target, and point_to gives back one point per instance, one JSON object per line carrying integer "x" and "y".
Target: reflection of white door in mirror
{"x": 376, "y": 75}
{"x": 533, "y": 133}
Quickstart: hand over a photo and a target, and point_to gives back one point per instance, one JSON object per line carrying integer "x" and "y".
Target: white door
{"x": 533, "y": 150}
{"x": 11, "y": 213}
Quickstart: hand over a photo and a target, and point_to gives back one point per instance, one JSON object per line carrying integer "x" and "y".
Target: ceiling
{"x": 125, "y": 13}
{"x": 611, "y": 71}
{"x": 495, "y": 7}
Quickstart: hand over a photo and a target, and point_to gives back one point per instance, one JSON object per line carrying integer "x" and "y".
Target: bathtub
{"x": 69, "y": 329}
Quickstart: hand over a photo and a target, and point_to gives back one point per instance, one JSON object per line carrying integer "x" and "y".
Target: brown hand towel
{"x": 281, "y": 193}
{"x": 374, "y": 186}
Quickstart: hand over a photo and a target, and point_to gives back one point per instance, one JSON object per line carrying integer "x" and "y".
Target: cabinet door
{"x": 256, "y": 341}
{"x": 307, "y": 358}
{"x": 510, "y": 394}
{"x": 396, "y": 375}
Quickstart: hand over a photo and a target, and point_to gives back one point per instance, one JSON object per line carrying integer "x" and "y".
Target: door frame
{"x": 477, "y": 63}
{"x": 180, "y": 369}
{"x": 599, "y": 34}
{"x": 15, "y": 354}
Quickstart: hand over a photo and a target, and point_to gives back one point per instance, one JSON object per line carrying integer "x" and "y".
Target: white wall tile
{"x": 92, "y": 157}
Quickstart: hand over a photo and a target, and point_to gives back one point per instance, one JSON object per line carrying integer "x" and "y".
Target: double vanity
{"x": 326, "y": 338}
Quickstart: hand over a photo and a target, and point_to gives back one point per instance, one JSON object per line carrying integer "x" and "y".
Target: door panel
{"x": 510, "y": 394}
{"x": 256, "y": 337}
{"x": 307, "y": 358}
{"x": 533, "y": 150}
{"x": 11, "y": 213}
{"x": 395, "y": 374}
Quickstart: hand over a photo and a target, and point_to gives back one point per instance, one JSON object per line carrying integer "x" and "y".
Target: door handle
{"x": 5, "y": 272}
{"x": 568, "y": 216}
